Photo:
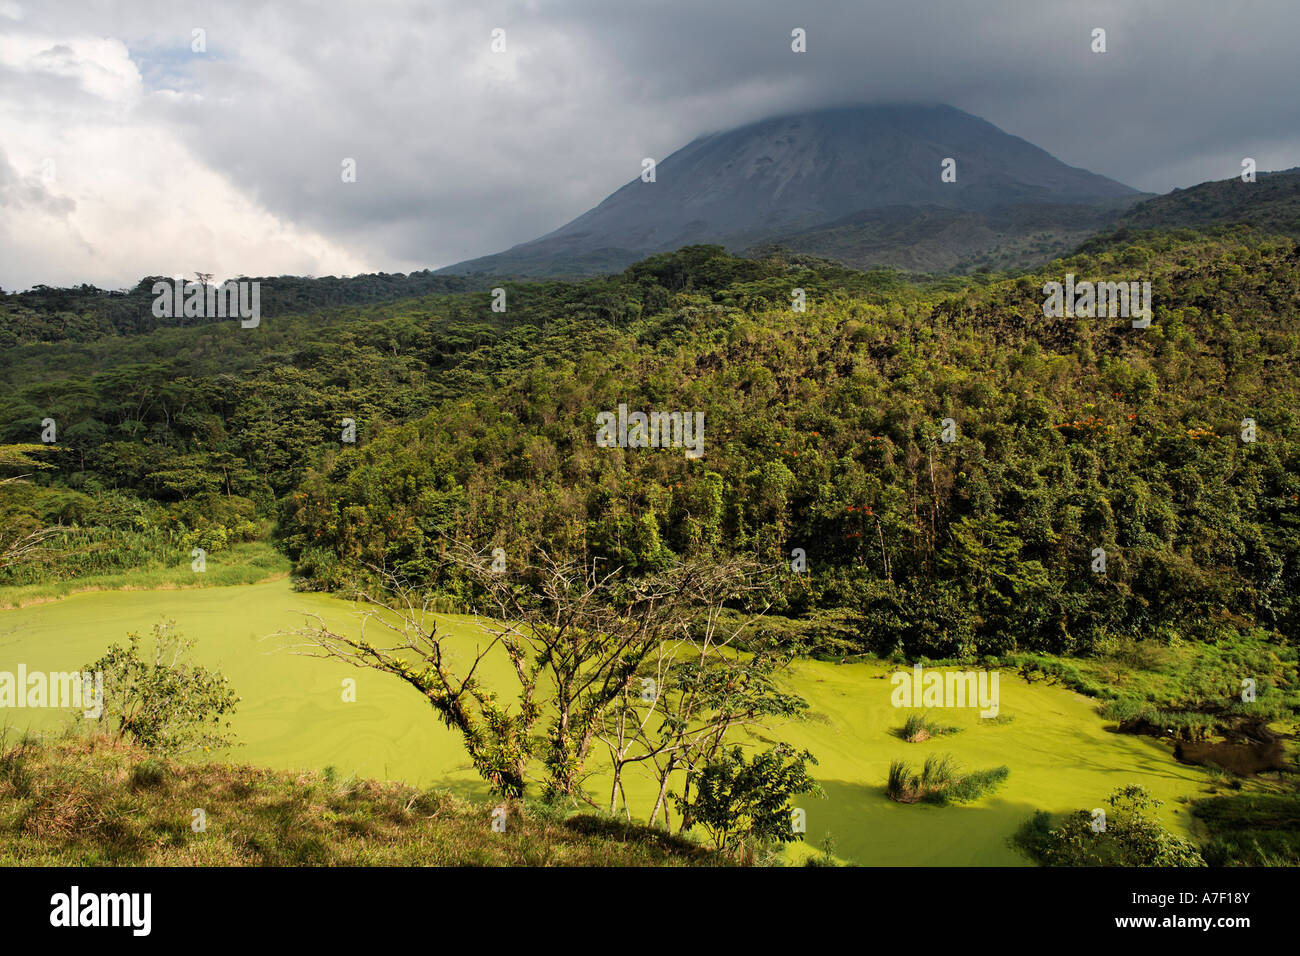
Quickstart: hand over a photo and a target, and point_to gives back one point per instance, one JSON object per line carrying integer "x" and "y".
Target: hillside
{"x": 934, "y": 238}
{"x": 1271, "y": 204}
{"x": 824, "y": 434}
{"x": 87, "y": 314}
{"x": 793, "y": 180}
{"x": 77, "y": 802}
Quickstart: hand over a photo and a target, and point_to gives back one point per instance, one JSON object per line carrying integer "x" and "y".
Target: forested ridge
{"x": 89, "y": 314}
{"x": 824, "y": 431}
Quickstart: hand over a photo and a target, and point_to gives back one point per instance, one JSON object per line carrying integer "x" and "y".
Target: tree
{"x": 695, "y": 693}
{"x": 577, "y": 639}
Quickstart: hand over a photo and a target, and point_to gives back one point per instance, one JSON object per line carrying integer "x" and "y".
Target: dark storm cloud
{"x": 461, "y": 151}
{"x": 1183, "y": 85}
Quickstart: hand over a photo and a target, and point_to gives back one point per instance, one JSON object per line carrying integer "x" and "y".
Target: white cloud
{"x": 96, "y": 186}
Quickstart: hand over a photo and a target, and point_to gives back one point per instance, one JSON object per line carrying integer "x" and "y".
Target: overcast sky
{"x": 124, "y": 153}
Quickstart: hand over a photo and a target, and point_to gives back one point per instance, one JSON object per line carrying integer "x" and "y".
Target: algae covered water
{"x": 293, "y": 715}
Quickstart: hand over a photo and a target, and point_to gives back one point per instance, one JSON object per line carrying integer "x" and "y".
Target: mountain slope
{"x": 1270, "y": 204}
{"x": 778, "y": 180}
{"x": 934, "y": 238}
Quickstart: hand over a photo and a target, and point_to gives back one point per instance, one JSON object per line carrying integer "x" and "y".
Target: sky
{"x": 162, "y": 137}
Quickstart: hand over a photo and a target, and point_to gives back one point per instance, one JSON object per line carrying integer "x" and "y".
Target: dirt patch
{"x": 1250, "y": 748}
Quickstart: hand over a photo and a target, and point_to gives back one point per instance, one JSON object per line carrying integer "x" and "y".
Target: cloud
{"x": 229, "y": 160}
{"x": 95, "y": 185}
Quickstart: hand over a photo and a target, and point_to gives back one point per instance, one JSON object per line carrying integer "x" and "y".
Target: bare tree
{"x": 578, "y": 640}
{"x": 703, "y": 689}
{"x": 498, "y": 740}
{"x": 18, "y": 547}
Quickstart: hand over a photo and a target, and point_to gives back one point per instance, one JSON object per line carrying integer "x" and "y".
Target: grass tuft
{"x": 919, "y": 727}
{"x": 939, "y": 781}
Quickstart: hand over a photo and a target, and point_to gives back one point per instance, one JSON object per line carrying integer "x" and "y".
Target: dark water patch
{"x": 1249, "y": 748}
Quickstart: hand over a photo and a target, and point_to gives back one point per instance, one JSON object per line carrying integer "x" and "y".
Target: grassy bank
{"x": 1258, "y": 829}
{"x": 245, "y": 563}
{"x": 90, "y": 802}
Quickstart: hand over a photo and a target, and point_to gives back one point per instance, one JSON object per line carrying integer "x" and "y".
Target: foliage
{"x": 160, "y": 701}
{"x": 1131, "y": 837}
{"x": 822, "y": 433}
{"x": 739, "y": 801}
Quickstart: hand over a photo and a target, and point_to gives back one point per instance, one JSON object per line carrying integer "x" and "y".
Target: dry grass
{"x": 88, "y": 801}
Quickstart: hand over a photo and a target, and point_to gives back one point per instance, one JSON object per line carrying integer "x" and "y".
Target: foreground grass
{"x": 246, "y": 563}
{"x": 82, "y": 801}
{"x": 1261, "y": 829}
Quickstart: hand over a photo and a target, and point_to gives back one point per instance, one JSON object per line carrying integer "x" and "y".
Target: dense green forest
{"x": 89, "y": 314}
{"x": 824, "y": 431}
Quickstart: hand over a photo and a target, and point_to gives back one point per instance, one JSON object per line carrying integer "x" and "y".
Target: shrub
{"x": 1130, "y": 837}
{"x": 738, "y": 801}
{"x": 164, "y": 705}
